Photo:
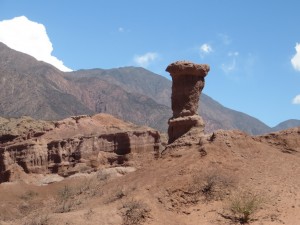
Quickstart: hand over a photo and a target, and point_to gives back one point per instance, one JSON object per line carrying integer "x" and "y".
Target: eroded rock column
{"x": 188, "y": 82}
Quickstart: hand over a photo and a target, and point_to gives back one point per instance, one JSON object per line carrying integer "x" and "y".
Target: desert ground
{"x": 228, "y": 178}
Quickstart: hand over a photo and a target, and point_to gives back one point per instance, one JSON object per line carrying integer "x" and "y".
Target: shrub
{"x": 28, "y": 195}
{"x": 136, "y": 212}
{"x": 65, "y": 193}
{"x": 212, "y": 185}
{"x": 243, "y": 205}
{"x": 88, "y": 214}
{"x": 116, "y": 195}
{"x": 64, "y": 197}
{"x": 103, "y": 176}
{"x": 120, "y": 194}
{"x": 39, "y": 220}
{"x": 89, "y": 187}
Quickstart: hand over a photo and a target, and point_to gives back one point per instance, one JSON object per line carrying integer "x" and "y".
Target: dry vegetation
{"x": 244, "y": 205}
{"x": 203, "y": 189}
{"x": 135, "y": 212}
{"x": 213, "y": 185}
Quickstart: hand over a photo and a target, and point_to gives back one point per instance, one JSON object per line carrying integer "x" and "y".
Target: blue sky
{"x": 249, "y": 44}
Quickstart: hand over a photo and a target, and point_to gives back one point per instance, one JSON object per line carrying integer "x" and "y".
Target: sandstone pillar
{"x": 188, "y": 82}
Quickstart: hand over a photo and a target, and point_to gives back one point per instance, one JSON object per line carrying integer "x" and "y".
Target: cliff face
{"x": 69, "y": 146}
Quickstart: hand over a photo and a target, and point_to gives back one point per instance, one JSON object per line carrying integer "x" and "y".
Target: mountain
{"x": 104, "y": 97}
{"x": 286, "y": 124}
{"x": 141, "y": 81}
{"x": 37, "y": 89}
{"x": 133, "y": 80}
{"x": 217, "y": 116}
{"x": 33, "y": 88}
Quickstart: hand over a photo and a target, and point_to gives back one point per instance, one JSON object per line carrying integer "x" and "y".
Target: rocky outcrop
{"x": 71, "y": 145}
{"x": 188, "y": 82}
{"x": 287, "y": 141}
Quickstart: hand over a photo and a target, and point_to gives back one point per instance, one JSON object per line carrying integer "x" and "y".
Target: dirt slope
{"x": 174, "y": 189}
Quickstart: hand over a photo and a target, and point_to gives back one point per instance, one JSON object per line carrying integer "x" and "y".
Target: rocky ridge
{"x": 79, "y": 143}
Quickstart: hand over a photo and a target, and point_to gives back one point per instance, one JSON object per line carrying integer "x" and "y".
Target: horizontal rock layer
{"x": 68, "y": 145}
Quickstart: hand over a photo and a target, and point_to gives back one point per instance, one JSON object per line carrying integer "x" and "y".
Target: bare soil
{"x": 190, "y": 185}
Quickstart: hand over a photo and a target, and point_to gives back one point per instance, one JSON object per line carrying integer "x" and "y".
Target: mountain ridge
{"x": 207, "y": 105}
{"x": 37, "y": 89}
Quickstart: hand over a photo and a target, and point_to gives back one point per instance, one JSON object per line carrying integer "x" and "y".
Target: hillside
{"x": 286, "y": 124}
{"x": 33, "y": 88}
{"x": 37, "y": 89}
{"x": 188, "y": 185}
{"x": 158, "y": 88}
{"x": 101, "y": 96}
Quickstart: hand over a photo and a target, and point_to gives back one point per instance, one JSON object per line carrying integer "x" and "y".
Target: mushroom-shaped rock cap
{"x": 188, "y": 68}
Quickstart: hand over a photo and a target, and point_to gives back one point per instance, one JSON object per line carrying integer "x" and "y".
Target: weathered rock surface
{"x": 76, "y": 144}
{"x": 188, "y": 82}
{"x": 288, "y": 141}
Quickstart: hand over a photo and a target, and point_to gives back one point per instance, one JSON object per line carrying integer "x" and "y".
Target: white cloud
{"x": 31, "y": 38}
{"x": 146, "y": 59}
{"x": 225, "y": 39}
{"x": 232, "y": 65}
{"x": 229, "y": 67}
{"x": 233, "y": 53}
{"x": 206, "y": 48}
{"x": 296, "y": 100}
{"x": 296, "y": 58}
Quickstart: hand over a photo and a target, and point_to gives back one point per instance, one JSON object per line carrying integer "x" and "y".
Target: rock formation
{"x": 188, "y": 82}
{"x": 71, "y": 145}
